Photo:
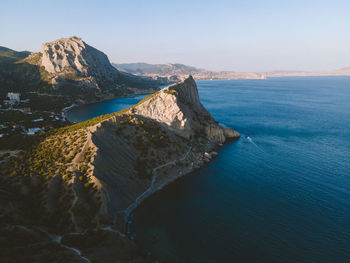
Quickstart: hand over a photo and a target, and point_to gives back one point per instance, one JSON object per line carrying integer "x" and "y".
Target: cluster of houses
{"x": 10, "y": 128}
{"x": 39, "y": 124}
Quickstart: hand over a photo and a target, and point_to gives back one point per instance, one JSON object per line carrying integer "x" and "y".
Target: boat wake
{"x": 252, "y": 142}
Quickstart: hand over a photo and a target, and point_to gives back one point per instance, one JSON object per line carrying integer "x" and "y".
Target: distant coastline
{"x": 178, "y": 72}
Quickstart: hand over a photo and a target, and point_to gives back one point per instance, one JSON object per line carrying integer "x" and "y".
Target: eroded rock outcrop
{"x": 74, "y": 56}
{"x": 178, "y": 106}
{"x": 69, "y": 66}
{"x": 164, "y": 136}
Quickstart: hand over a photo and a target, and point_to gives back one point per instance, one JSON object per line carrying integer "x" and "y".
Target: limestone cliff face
{"x": 69, "y": 65}
{"x": 178, "y": 107}
{"x": 72, "y": 55}
{"x": 163, "y": 137}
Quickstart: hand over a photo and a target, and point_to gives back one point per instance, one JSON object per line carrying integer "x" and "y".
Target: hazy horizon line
{"x": 236, "y": 71}
{"x": 204, "y": 68}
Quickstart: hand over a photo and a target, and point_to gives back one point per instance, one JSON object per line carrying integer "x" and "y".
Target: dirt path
{"x": 150, "y": 189}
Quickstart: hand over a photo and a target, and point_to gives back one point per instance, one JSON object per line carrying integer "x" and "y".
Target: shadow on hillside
{"x": 21, "y": 77}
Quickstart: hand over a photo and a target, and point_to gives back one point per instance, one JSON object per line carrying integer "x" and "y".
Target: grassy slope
{"x": 53, "y": 152}
{"x": 10, "y": 56}
{"x": 58, "y": 167}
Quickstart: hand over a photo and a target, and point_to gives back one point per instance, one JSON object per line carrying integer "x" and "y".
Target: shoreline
{"x": 67, "y": 109}
{"x": 196, "y": 159}
{"x": 265, "y": 76}
{"x": 183, "y": 173}
{"x": 151, "y": 190}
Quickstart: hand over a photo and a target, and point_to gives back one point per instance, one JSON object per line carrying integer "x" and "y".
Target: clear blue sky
{"x": 238, "y": 35}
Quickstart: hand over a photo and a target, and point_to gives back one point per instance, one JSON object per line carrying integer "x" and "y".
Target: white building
{"x": 32, "y": 131}
{"x": 14, "y": 97}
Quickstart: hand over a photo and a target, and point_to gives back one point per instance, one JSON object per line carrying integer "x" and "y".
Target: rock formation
{"x": 73, "y": 56}
{"x": 167, "y": 127}
{"x": 90, "y": 176}
{"x": 72, "y": 68}
{"x": 179, "y": 108}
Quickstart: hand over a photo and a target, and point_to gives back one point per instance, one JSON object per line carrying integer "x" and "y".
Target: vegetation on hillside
{"x": 23, "y": 72}
{"x": 61, "y": 162}
{"x": 10, "y": 56}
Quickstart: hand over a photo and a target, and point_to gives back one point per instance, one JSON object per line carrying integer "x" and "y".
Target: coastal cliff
{"x": 163, "y": 137}
{"x": 178, "y": 107}
{"x": 83, "y": 181}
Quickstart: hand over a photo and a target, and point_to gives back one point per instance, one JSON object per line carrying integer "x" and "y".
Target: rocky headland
{"x": 70, "y": 196}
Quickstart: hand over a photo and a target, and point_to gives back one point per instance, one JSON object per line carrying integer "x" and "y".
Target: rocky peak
{"x": 187, "y": 94}
{"x": 179, "y": 108}
{"x": 73, "y": 56}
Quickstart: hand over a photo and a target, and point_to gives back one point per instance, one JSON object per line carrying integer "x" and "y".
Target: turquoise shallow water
{"x": 85, "y": 112}
{"x": 284, "y": 196}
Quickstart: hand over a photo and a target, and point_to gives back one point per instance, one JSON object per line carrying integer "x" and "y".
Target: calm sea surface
{"x": 283, "y": 196}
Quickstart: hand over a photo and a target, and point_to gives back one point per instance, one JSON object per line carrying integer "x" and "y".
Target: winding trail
{"x": 78, "y": 252}
{"x": 75, "y": 167}
{"x": 70, "y": 211}
{"x": 54, "y": 238}
{"x": 58, "y": 239}
{"x": 150, "y": 189}
{"x": 110, "y": 229}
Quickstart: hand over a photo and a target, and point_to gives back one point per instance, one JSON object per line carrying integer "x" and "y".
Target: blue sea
{"x": 88, "y": 111}
{"x": 281, "y": 193}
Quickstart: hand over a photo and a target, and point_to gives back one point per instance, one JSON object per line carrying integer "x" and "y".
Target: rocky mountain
{"x": 182, "y": 113}
{"x": 175, "y": 72}
{"x": 73, "y": 56}
{"x": 72, "y": 68}
{"x": 76, "y": 187}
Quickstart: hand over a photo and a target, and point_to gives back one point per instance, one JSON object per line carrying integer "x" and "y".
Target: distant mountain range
{"x": 71, "y": 68}
{"x": 180, "y": 71}
{"x": 158, "y": 69}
